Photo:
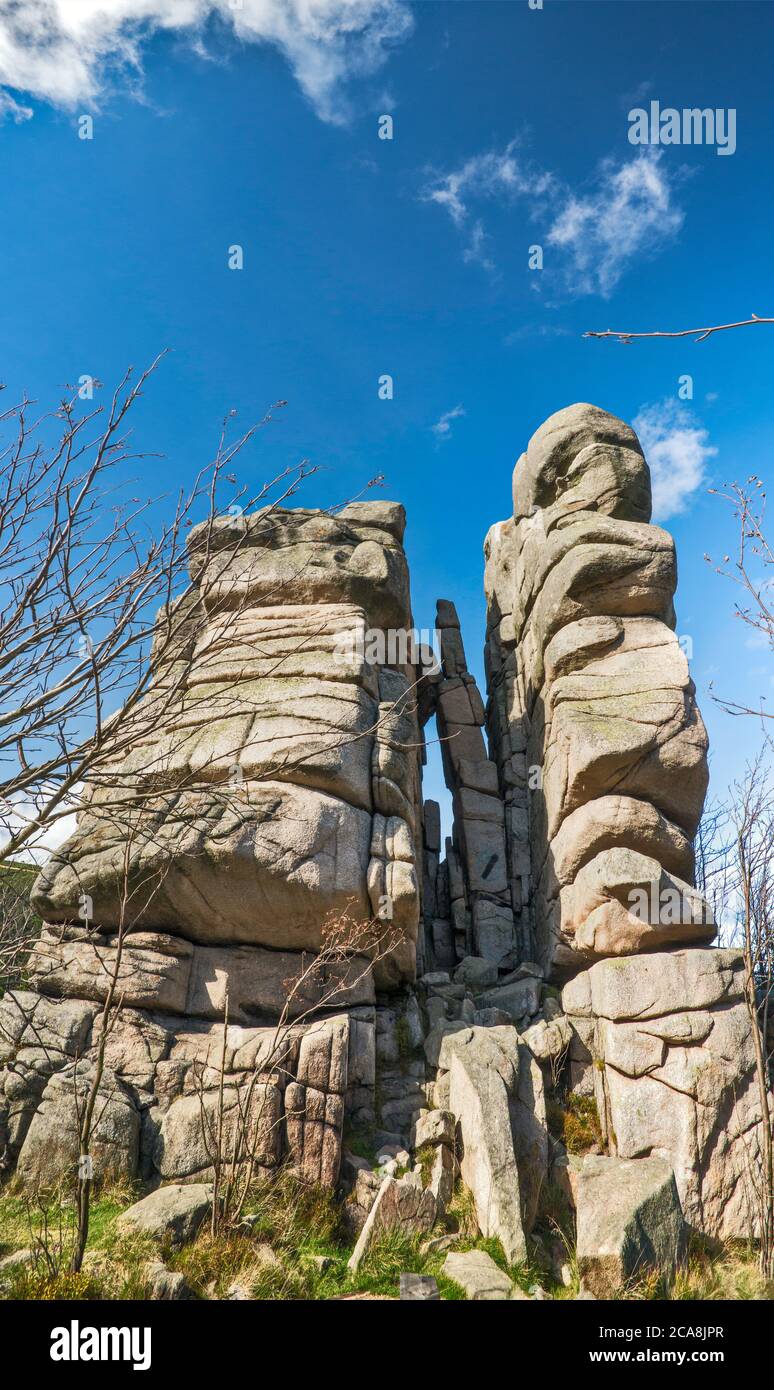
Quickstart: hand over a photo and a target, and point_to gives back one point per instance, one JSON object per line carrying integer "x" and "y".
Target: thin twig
{"x": 625, "y": 337}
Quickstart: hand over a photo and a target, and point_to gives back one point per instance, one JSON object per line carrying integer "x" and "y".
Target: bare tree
{"x": 88, "y": 1110}
{"x": 82, "y": 574}
{"x": 735, "y": 872}
{"x": 350, "y": 947}
{"x": 753, "y": 820}
{"x": 90, "y": 584}
{"x": 751, "y": 570}
{"x": 754, "y": 550}
{"x": 84, "y": 565}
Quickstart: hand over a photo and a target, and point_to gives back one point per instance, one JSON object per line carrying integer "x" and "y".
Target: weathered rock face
{"x": 601, "y": 758}
{"x": 496, "y": 1096}
{"x": 175, "y": 1212}
{"x": 283, "y": 782}
{"x": 629, "y": 1221}
{"x": 598, "y": 740}
{"x": 272, "y": 787}
{"x": 158, "y": 1102}
{"x": 404, "y": 1204}
{"x": 476, "y": 892}
{"x": 477, "y": 1273}
{"x": 572, "y": 844}
{"x": 675, "y": 1074}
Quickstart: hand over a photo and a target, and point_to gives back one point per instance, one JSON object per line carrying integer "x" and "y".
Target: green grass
{"x": 711, "y": 1272}
{"x": 524, "y": 1274}
{"x": 47, "y": 1227}
{"x": 425, "y": 1157}
{"x": 18, "y": 874}
{"x": 390, "y": 1256}
{"x": 461, "y": 1215}
{"x": 23, "y": 1220}
{"x": 576, "y": 1122}
{"x": 449, "y": 1291}
{"x": 291, "y": 1215}
{"x": 299, "y": 1222}
{"x": 210, "y": 1264}
{"x": 38, "y": 1286}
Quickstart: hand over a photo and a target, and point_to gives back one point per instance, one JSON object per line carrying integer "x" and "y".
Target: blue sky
{"x": 407, "y": 256}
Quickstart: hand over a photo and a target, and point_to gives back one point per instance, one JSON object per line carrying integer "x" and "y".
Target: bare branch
{"x": 698, "y": 334}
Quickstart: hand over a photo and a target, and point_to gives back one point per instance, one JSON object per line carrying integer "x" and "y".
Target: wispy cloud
{"x": 10, "y": 110}
{"x": 491, "y": 177}
{"x": 627, "y": 214}
{"x": 636, "y": 96}
{"x": 442, "y": 428}
{"x": 69, "y": 51}
{"x": 627, "y": 211}
{"x": 536, "y": 330}
{"x": 475, "y": 251}
{"x": 677, "y": 449}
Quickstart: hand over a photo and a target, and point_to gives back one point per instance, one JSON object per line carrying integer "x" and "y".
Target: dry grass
{"x": 299, "y": 1223}
{"x": 711, "y": 1273}
{"x": 461, "y": 1215}
{"x": 576, "y": 1122}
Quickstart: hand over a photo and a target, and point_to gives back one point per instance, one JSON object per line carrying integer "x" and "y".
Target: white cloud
{"x": 475, "y": 250}
{"x": 68, "y": 51}
{"x": 442, "y": 428}
{"x": 627, "y": 212}
{"x": 676, "y": 448}
{"x": 489, "y": 175}
{"x": 38, "y": 848}
{"x": 626, "y": 216}
{"x": 10, "y": 110}
{"x": 484, "y": 177}
{"x": 21, "y": 811}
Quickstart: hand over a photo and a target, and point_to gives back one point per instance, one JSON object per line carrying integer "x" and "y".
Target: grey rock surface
{"x": 629, "y": 1221}
{"x": 175, "y": 1212}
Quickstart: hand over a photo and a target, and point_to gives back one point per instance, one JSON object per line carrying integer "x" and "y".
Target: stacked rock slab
{"x": 473, "y": 900}
{"x": 289, "y": 700}
{"x": 280, "y": 790}
{"x": 593, "y": 723}
{"x": 675, "y": 1074}
{"x": 589, "y": 678}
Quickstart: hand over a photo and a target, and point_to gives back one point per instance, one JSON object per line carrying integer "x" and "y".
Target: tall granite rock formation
{"x": 281, "y": 792}
{"x": 592, "y": 706}
{"x": 279, "y": 789}
{"x": 593, "y": 710}
{"x": 586, "y": 814}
